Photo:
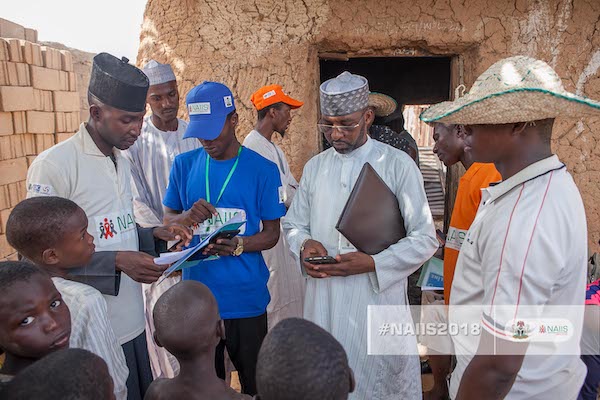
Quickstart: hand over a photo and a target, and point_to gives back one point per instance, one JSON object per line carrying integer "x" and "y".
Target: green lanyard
{"x": 226, "y": 179}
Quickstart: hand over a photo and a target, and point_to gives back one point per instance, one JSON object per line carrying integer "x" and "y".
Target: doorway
{"x": 415, "y": 83}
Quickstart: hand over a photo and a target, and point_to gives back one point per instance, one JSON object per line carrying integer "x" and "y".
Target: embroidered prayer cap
{"x": 158, "y": 73}
{"x": 382, "y": 104}
{"x": 208, "y": 105}
{"x": 344, "y": 94}
{"x": 271, "y": 94}
{"x": 118, "y": 84}
{"x": 515, "y": 89}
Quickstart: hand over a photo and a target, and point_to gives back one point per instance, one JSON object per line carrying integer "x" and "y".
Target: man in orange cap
{"x": 286, "y": 284}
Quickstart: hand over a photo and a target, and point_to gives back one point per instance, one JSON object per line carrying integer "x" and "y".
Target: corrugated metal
{"x": 434, "y": 172}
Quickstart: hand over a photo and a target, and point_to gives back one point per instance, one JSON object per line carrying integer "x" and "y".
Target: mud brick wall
{"x": 250, "y": 43}
{"x": 39, "y": 107}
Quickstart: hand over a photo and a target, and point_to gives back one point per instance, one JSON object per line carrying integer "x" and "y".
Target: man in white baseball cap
{"x": 528, "y": 243}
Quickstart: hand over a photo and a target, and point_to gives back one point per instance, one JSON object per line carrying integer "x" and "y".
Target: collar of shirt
{"x": 357, "y": 153}
{"x": 260, "y": 137}
{"x": 532, "y": 171}
{"x": 90, "y": 147}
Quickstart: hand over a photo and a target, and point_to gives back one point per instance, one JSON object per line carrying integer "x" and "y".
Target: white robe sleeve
{"x": 296, "y": 223}
{"x": 400, "y": 260}
{"x": 144, "y": 214}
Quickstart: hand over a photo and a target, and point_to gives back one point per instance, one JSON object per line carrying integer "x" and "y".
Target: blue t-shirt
{"x": 238, "y": 283}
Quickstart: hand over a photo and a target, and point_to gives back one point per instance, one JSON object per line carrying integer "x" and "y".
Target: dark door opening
{"x": 414, "y": 82}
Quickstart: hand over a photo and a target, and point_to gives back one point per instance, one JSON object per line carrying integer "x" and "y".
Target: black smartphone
{"x": 321, "y": 260}
{"x": 224, "y": 235}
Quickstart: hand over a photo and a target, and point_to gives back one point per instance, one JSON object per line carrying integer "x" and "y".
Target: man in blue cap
{"x": 207, "y": 187}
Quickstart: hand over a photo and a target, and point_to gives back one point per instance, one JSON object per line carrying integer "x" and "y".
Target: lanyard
{"x": 226, "y": 179}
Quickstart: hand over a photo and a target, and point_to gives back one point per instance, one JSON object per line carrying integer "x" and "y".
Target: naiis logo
{"x": 107, "y": 229}
{"x": 554, "y": 329}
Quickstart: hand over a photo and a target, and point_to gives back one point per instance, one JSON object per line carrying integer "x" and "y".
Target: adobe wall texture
{"x": 250, "y": 43}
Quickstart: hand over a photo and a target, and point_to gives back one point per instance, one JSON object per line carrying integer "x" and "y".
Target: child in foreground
{"x": 299, "y": 360}
{"x": 188, "y": 325}
{"x": 70, "y": 374}
{"x": 52, "y": 233}
{"x": 34, "y": 320}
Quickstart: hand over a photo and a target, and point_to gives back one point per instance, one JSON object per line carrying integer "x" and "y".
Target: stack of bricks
{"x": 39, "y": 107}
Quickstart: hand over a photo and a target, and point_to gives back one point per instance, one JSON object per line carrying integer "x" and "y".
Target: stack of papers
{"x": 432, "y": 275}
{"x": 192, "y": 256}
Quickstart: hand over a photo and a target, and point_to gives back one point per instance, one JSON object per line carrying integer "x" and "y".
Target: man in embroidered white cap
{"x": 522, "y": 265}
{"x": 337, "y": 295}
{"x": 151, "y": 157}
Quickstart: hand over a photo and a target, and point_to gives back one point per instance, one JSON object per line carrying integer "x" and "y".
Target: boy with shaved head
{"x": 187, "y": 323}
{"x": 301, "y": 361}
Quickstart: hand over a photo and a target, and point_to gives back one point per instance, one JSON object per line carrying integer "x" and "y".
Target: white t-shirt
{"x": 91, "y": 330}
{"x": 77, "y": 170}
{"x": 526, "y": 247}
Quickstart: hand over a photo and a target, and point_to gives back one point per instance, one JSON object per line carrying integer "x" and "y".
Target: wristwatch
{"x": 240, "y": 247}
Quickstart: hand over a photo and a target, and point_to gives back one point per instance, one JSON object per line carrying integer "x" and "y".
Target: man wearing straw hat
{"x": 386, "y": 110}
{"x": 339, "y": 295}
{"x": 528, "y": 243}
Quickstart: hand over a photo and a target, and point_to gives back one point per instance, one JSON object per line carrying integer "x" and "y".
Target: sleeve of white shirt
{"x": 400, "y": 260}
{"x": 291, "y": 185}
{"x": 144, "y": 215}
{"x": 44, "y": 178}
{"x": 92, "y": 331}
{"x": 296, "y": 223}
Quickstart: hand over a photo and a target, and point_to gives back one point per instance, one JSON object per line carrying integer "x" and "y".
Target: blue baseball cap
{"x": 208, "y": 105}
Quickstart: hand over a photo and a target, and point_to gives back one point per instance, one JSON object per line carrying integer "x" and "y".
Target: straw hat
{"x": 515, "y": 89}
{"x": 383, "y": 104}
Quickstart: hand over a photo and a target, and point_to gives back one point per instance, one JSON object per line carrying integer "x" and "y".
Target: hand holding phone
{"x": 319, "y": 260}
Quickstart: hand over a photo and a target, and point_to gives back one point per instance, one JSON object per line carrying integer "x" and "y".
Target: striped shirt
{"x": 91, "y": 329}
{"x": 526, "y": 247}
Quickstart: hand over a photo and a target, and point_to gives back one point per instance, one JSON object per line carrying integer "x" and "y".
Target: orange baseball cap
{"x": 271, "y": 94}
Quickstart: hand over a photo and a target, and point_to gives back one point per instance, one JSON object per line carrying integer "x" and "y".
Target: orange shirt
{"x": 468, "y": 197}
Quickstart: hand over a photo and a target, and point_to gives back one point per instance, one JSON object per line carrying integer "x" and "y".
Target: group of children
{"x": 58, "y": 343}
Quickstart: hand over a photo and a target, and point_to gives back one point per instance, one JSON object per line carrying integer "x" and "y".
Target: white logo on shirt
{"x": 281, "y": 191}
{"x": 199, "y": 108}
{"x": 38, "y": 188}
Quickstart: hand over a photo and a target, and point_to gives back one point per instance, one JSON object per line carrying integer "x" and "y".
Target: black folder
{"x": 371, "y": 219}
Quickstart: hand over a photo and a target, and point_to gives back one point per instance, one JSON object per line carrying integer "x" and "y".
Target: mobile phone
{"x": 321, "y": 260}
{"x": 224, "y": 235}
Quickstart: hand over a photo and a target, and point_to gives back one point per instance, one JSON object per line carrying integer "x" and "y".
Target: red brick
{"x": 4, "y": 53}
{"x": 45, "y": 78}
{"x": 16, "y": 144}
{"x": 30, "y": 160}
{"x": 43, "y": 100}
{"x": 14, "y": 194}
{"x": 13, "y": 170}
{"x": 15, "y": 53}
{"x": 16, "y": 98}
{"x": 29, "y": 144}
{"x": 5, "y": 249}
{"x": 43, "y": 142}
{"x": 31, "y": 35}
{"x": 72, "y": 82}
{"x": 18, "y": 73}
{"x": 6, "y": 124}
{"x": 19, "y": 122}
{"x": 6, "y": 151}
{"x": 32, "y": 53}
{"x": 66, "y": 60}
{"x": 40, "y": 122}
{"x": 51, "y": 57}
{"x": 4, "y": 197}
{"x": 4, "y": 214}
{"x": 61, "y": 137}
{"x": 65, "y": 101}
